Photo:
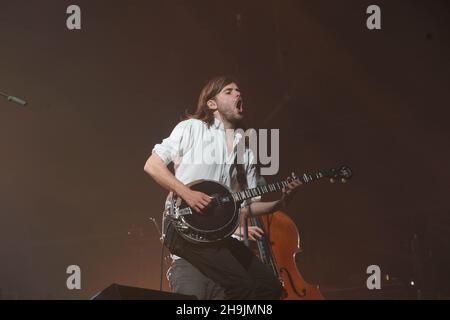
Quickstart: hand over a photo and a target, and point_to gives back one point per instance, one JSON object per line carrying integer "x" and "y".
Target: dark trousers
{"x": 234, "y": 267}
{"x": 186, "y": 279}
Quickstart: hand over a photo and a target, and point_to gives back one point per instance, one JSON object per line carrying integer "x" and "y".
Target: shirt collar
{"x": 218, "y": 124}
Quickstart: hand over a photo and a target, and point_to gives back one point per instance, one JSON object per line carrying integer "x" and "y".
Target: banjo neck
{"x": 221, "y": 218}
{"x": 274, "y": 187}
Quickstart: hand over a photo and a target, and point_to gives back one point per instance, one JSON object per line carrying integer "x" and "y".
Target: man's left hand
{"x": 289, "y": 191}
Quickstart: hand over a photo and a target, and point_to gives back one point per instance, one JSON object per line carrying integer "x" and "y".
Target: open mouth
{"x": 240, "y": 106}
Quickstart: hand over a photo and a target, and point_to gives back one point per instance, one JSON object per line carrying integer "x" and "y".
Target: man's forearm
{"x": 259, "y": 208}
{"x": 158, "y": 170}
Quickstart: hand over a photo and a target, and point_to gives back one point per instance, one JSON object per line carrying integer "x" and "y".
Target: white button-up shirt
{"x": 199, "y": 152}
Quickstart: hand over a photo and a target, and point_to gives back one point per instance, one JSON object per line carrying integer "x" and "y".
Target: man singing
{"x": 227, "y": 263}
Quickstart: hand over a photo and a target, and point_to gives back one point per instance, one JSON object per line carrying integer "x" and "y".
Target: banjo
{"x": 220, "y": 218}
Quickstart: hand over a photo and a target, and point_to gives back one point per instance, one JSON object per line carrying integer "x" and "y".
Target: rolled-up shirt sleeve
{"x": 176, "y": 144}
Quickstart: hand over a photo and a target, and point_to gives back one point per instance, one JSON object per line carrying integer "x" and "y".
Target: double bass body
{"x": 284, "y": 242}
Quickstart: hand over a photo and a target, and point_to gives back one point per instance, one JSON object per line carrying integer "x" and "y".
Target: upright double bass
{"x": 280, "y": 244}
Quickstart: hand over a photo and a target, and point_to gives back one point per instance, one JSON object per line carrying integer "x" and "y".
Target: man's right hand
{"x": 197, "y": 200}
{"x": 254, "y": 233}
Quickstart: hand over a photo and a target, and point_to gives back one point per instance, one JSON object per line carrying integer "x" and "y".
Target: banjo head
{"x": 218, "y": 216}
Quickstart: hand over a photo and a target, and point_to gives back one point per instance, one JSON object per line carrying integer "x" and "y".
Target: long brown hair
{"x": 209, "y": 91}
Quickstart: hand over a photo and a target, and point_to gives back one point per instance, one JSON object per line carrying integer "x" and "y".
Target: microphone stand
{"x": 13, "y": 99}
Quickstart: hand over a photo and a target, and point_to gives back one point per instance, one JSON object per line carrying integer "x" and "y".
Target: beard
{"x": 231, "y": 113}
{"x": 232, "y": 117}
{"x": 238, "y": 120}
